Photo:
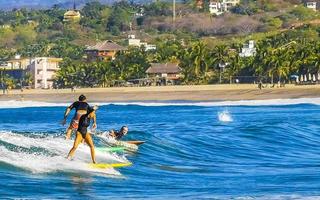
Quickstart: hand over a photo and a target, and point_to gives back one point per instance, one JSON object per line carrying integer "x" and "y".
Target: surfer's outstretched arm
{"x": 66, "y": 113}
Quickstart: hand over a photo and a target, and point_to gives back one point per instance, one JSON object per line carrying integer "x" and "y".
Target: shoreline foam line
{"x": 269, "y": 102}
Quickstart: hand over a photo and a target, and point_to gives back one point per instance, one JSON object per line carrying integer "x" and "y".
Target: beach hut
{"x": 170, "y": 72}
{"x": 305, "y": 78}
{"x": 309, "y": 77}
{"x": 301, "y": 78}
{"x": 314, "y": 78}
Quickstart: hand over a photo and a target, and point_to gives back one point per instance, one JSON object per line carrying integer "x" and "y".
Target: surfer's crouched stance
{"x": 119, "y": 134}
{"x": 115, "y": 135}
{"x": 82, "y": 133}
{"x": 82, "y": 107}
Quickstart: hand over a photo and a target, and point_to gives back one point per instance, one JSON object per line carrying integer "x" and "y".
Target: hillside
{"x": 198, "y": 41}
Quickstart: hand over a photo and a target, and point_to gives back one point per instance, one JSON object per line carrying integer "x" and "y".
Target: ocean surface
{"x": 194, "y": 150}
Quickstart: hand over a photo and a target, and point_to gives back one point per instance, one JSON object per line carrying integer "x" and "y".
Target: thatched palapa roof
{"x": 168, "y": 68}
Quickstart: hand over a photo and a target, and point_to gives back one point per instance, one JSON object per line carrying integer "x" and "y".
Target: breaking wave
{"x": 39, "y": 153}
{"x": 270, "y": 102}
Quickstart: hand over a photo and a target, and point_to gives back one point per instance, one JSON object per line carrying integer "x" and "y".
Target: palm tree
{"x": 234, "y": 66}
{"x": 221, "y": 58}
{"x": 196, "y": 62}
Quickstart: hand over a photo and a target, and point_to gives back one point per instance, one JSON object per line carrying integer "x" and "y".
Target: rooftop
{"x": 72, "y": 13}
{"x": 106, "y": 46}
{"x": 158, "y": 68}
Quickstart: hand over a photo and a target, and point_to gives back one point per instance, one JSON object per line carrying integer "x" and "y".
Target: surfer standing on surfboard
{"x": 82, "y": 133}
{"x": 82, "y": 107}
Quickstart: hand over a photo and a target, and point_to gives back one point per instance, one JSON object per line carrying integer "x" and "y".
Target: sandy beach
{"x": 166, "y": 93}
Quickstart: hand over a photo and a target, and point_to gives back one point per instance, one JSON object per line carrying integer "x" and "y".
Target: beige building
{"x": 18, "y": 63}
{"x": 43, "y": 70}
{"x": 71, "y": 16}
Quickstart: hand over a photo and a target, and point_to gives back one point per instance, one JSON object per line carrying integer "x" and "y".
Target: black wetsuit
{"x": 118, "y": 134}
{"x": 79, "y": 105}
{"x": 84, "y": 123}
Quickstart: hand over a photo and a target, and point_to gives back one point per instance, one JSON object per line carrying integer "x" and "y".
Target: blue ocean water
{"x": 191, "y": 152}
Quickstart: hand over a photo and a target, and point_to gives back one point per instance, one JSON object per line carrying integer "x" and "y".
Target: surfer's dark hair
{"x": 122, "y": 128}
{"x": 82, "y": 97}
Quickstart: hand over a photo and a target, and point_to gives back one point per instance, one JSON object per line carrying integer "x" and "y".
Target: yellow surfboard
{"x": 109, "y": 165}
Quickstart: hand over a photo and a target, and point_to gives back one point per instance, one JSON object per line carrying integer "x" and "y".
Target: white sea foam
{"x": 225, "y": 116}
{"x": 264, "y": 197}
{"x": 315, "y": 101}
{"x": 38, "y": 162}
{"x": 24, "y": 104}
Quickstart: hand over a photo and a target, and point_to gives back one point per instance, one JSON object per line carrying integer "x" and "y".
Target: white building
{"x": 217, "y": 7}
{"x": 230, "y": 3}
{"x": 137, "y": 42}
{"x": 43, "y": 70}
{"x": 248, "y": 50}
{"x": 5, "y": 26}
{"x": 148, "y": 47}
{"x": 133, "y": 41}
{"x": 312, "y": 5}
{"x": 140, "y": 12}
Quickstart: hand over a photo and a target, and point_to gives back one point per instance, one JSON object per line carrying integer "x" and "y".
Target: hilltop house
{"x": 133, "y": 41}
{"x": 105, "y": 50}
{"x": 217, "y": 7}
{"x": 72, "y": 15}
{"x": 312, "y": 4}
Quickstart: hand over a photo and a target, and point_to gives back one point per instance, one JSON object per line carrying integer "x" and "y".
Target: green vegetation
{"x": 292, "y": 53}
{"x": 205, "y": 47}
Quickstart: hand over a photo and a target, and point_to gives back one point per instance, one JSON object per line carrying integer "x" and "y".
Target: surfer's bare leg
{"x": 69, "y": 132}
{"x": 89, "y": 141}
{"x": 75, "y": 145}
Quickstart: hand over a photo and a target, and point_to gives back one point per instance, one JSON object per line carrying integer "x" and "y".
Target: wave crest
{"x": 270, "y": 102}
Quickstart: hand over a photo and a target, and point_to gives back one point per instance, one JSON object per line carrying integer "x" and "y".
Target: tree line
{"x": 277, "y": 57}
{"x": 33, "y": 33}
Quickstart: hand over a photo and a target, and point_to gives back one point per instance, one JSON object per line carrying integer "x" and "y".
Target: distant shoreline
{"x": 166, "y": 93}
